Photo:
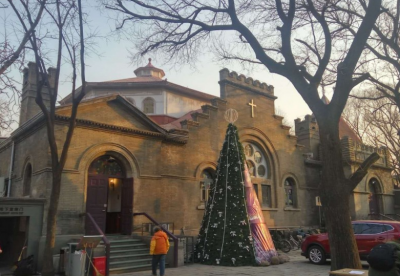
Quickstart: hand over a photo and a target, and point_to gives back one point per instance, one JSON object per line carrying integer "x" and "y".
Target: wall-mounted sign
{"x": 11, "y": 210}
{"x": 318, "y": 201}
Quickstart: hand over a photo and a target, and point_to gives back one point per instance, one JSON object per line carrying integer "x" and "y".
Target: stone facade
{"x": 168, "y": 165}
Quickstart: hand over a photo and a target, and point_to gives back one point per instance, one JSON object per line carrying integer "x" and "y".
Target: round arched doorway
{"x": 373, "y": 199}
{"x": 109, "y": 197}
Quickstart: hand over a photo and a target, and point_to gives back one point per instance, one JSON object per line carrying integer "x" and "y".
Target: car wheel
{"x": 316, "y": 255}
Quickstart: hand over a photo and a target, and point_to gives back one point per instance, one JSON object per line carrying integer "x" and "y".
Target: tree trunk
{"x": 48, "y": 269}
{"x": 335, "y": 197}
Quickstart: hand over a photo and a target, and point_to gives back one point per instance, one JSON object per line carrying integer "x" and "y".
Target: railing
{"x": 106, "y": 242}
{"x": 168, "y": 233}
{"x": 188, "y": 248}
{"x": 379, "y": 216}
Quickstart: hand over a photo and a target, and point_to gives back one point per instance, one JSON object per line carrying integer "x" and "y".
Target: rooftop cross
{"x": 252, "y": 108}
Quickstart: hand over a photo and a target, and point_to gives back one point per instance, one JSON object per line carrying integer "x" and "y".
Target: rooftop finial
{"x": 149, "y": 61}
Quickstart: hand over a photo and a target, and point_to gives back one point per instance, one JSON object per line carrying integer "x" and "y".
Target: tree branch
{"x": 362, "y": 171}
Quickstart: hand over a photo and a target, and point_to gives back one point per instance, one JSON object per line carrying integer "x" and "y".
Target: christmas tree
{"x": 225, "y": 235}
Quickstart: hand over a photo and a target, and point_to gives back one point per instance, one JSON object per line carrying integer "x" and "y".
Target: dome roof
{"x": 149, "y": 71}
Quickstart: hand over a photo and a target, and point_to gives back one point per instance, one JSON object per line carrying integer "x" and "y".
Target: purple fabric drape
{"x": 263, "y": 244}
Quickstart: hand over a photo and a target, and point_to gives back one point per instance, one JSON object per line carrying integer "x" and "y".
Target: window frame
{"x": 269, "y": 196}
{"x": 27, "y": 180}
{"x": 205, "y": 192}
{"x": 293, "y": 190}
{"x": 144, "y": 105}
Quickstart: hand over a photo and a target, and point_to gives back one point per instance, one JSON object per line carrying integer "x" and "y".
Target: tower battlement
{"x": 226, "y": 75}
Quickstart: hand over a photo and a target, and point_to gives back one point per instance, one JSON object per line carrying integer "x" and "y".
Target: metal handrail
{"x": 106, "y": 242}
{"x": 381, "y": 215}
{"x": 166, "y": 231}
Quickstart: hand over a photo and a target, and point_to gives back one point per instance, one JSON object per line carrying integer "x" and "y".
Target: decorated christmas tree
{"x": 225, "y": 235}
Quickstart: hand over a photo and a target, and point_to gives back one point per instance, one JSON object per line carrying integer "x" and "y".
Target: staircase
{"x": 128, "y": 254}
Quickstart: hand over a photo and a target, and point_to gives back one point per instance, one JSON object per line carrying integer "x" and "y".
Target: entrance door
{"x": 373, "y": 197}
{"x": 96, "y": 203}
{"x": 127, "y": 206}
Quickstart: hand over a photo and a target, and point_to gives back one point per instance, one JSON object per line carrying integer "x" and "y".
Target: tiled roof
{"x": 177, "y": 123}
{"x": 138, "y": 79}
{"x": 345, "y": 130}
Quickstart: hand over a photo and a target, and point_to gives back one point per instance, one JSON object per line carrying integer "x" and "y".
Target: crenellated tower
{"x": 29, "y": 108}
{"x": 308, "y": 135}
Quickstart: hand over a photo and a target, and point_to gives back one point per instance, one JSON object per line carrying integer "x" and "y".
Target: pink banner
{"x": 263, "y": 244}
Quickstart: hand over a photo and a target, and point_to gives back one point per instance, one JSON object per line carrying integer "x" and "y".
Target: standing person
{"x": 385, "y": 261}
{"x": 158, "y": 248}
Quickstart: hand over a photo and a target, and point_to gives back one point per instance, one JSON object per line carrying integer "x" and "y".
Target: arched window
{"x": 148, "y": 106}
{"x": 106, "y": 165}
{"x": 257, "y": 162}
{"x": 205, "y": 184}
{"x": 290, "y": 192}
{"x": 26, "y": 189}
{"x": 260, "y": 172}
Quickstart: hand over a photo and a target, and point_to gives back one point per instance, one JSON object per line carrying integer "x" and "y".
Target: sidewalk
{"x": 298, "y": 266}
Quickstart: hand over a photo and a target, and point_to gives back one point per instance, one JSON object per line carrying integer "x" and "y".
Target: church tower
{"x": 29, "y": 108}
{"x": 308, "y": 134}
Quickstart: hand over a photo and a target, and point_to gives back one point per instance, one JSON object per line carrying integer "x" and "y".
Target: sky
{"x": 113, "y": 62}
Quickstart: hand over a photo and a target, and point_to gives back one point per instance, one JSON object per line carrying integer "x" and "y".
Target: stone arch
{"x": 295, "y": 187}
{"x": 27, "y": 180}
{"x": 375, "y": 199}
{"x": 125, "y": 158}
{"x": 204, "y": 166}
{"x": 259, "y": 138}
{"x": 379, "y": 186}
{"x": 128, "y": 160}
{"x": 28, "y": 159}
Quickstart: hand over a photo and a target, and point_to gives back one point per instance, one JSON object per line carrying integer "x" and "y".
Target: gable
{"x": 111, "y": 112}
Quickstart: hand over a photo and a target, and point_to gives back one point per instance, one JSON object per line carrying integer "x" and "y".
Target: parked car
{"x": 368, "y": 233}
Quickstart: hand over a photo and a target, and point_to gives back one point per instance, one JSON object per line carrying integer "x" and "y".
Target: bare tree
{"x": 12, "y": 56}
{"x": 290, "y": 38}
{"x": 381, "y": 59}
{"x": 377, "y": 123}
{"x": 64, "y": 24}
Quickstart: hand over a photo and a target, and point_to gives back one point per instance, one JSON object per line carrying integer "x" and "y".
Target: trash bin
{"x": 77, "y": 263}
{"x": 100, "y": 264}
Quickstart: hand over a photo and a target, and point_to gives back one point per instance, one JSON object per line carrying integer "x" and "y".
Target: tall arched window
{"x": 373, "y": 200}
{"x": 290, "y": 192}
{"x": 148, "y": 106}
{"x": 205, "y": 184}
{"x": 260, "y": 172}
{"x": 26, "y": 189}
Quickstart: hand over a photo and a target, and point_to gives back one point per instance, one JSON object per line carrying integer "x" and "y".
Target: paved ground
{"x": 298, "y": 266}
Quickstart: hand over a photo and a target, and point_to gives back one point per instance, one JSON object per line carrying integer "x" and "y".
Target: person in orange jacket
{"x": 158, "y": 248}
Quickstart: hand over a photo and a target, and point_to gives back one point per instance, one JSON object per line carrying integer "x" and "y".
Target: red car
{"x": 368, "y": 233}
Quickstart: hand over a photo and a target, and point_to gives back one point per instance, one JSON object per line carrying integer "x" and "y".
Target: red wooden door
{"x": 96, "y": 203}
{"x": 126, "y": 206}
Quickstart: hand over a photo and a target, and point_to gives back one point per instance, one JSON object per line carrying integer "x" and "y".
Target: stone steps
{"x": 128, "y": 255}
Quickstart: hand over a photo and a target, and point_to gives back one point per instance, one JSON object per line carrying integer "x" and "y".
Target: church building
{"x": 145, "y": 144}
